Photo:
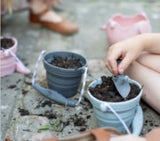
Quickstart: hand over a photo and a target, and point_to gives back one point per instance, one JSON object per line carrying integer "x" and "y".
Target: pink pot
{"x": 8, "y": 63}
{"x": 120, "y": 27}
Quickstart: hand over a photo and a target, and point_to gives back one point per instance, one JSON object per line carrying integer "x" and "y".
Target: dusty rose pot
{"x": 120, "y": 27}
{"x": 8, "y": 63}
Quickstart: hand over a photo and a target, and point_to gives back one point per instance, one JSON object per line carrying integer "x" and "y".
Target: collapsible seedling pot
{"x": 62, "y": 83}
{"x": 119, "y": 115}
{"x": 9, "y": 61}
{"x": 120, "y": 27}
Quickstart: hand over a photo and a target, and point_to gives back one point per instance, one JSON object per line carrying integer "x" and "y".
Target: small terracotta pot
{"x": 10, "y": 62}
{"x": 120, "y": 27}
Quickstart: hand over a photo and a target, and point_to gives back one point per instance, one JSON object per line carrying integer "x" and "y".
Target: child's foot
{"x": 42, "y": 15}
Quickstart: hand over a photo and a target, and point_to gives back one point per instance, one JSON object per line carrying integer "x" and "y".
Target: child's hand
{"x": 127, "y": 50}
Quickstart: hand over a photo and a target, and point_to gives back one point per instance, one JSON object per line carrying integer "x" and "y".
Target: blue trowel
{"x": 121, "y": 83}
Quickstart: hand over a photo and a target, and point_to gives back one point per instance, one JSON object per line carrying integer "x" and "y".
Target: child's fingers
{"x": 112, "y": 65}
{"x": 124, "y": 64}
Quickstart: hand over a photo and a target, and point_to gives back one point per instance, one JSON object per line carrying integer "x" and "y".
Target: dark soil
{"x": 66, "y": 63}
{"x": 108, "y": 92}
{"x": 23, "y": 112}
{"x": 79, "y": 121}
{"x": 48, "y": 114}
{"x": 46, "y": 102}
{"x": 6, "y": 43}
{"x": 12, "y": 86}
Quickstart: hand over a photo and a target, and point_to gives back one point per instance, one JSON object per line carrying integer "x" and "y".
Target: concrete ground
{"x": 18, "y": 95}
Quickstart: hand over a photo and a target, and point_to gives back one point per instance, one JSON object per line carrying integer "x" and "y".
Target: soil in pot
{"x": 106, "y": 91}
{"x": 67, "y": 63}
{"x": 6, "y": 43}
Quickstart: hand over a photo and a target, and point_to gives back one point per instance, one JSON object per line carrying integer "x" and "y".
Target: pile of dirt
{"x": 6, "y": 43}
{"x": 67, "y": 63}
{"x": 106, "y": 91}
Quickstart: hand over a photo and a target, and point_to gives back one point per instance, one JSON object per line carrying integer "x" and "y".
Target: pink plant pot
{"x": 120, "y": 27}
{"x": 8, "y": 62}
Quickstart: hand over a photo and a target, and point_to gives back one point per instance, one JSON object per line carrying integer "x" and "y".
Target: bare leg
{"x": 150, "y": 79}
{"x": 151, "y": 61}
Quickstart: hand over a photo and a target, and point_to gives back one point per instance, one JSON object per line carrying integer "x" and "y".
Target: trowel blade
{"x": 122, "y": 84}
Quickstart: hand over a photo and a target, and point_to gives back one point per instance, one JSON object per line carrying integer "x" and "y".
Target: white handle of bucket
{"x": 137, "y": 123}
{"x": 107, "y": 105}
{"x": 63, "y": 99}
{"x": 83, "y": 86}
{"x": 36, "y": 67}
{"x": 23, "y": 69}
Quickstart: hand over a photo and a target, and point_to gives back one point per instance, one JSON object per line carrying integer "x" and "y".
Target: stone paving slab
{"x": 90, "y": 41}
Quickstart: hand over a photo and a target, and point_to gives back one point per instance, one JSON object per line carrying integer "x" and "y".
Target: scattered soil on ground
{"x": 12, "y": 86}
{"x": 67, "y": 63}
{"x": 78, "y": 121}
{"x": 6, "y": 43}
{"x": 108, "y": 92}
{"x": 23, "y": 112}
{"x": 46, "y": 102}
{"x": 48, "y": 114}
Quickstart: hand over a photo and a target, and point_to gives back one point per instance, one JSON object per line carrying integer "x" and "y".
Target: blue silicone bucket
{"x": 129, "y": 112}
{"x": 62, "y": 83}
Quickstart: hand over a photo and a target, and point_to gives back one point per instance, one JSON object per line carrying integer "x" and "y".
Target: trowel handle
{"x": 54, "y": 95}
{"x": 119, "y": 60}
